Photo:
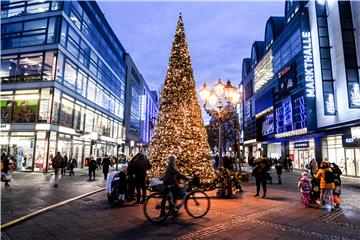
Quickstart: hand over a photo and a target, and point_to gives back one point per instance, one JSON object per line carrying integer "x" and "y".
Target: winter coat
{"x": 171, "y": 175}
{"x": 302, "y": 181}
{"x": 263, "y": 165}
{"x": 106, "y": 164}
{"x": 6, "y": 163}
{"x": 140, "y": 165}
{"x": 321, "y": 175}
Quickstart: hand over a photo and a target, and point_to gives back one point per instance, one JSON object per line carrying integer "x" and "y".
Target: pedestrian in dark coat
{"x": 57, "y": 164}
{"x": 279, "y": 168}
{"x": 262, "y": 167}
{"x": 106, "y": 163}
{"x": 6, "y": 169}
{"x": 64, "y": 165}
{"x": 72, "y": 165}
{"x": 141, "y": 165}
{"x": 92, "y": 167}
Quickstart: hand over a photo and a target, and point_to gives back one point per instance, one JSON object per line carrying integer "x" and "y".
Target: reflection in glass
{"x": 6, "y": 104}
{"x": 70, "y": 76}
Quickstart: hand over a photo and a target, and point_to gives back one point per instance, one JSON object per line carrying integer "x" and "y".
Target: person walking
{"x": 64, "y": 164}
{"x": 279, "y": 168}
{"x": 337, "y": 181}
{"x": 327, "y": 185}
{"x": 72, "y": 165}
{"x": 57, "y": 164}
{"x": 141, "y": 165}
{"x": 106, "y": 163}
{"x": 5, "y": 171}
{"x": 92, "y": 167}
{"x": 260, "y": 171}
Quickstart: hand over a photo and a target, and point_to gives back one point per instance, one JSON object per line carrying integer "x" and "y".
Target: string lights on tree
{"x": 180, "y": 128}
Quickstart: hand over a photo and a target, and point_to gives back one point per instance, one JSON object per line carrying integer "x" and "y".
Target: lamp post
{"x": 222, "y": 101}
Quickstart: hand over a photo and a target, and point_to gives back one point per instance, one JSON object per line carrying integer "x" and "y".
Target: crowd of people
{"x": 318, "y": 185}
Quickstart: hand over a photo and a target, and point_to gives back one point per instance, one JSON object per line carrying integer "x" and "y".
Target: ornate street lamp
{"x": 224, "y": 98}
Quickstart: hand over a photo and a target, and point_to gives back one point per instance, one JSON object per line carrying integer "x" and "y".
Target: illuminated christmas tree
{"x": 180, "y": 129}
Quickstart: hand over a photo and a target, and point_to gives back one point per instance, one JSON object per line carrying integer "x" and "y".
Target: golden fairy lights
{"x": 180, "y": 129}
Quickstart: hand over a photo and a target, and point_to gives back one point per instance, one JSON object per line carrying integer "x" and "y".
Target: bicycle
{"x": 160, "y": 205}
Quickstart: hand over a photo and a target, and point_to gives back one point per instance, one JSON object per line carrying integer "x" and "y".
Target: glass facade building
{"x": 299, "y": 86}
{"x": 63, "y": 77}
{"x": 141, "y": 110}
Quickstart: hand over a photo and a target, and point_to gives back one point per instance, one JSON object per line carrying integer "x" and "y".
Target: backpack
{"x": 329, "y": 176}
{"x": 305, "y": 187}
{"x": 57, "y": 162}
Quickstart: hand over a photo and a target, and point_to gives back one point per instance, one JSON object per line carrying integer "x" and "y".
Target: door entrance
{"x": 303, "y": 158}
{"x": 351, "y": 166}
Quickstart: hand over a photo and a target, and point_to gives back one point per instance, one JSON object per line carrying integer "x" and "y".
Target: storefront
{"x": 274, "y": 150}
{"x": 302, "y": 152}
{"x": 344, "y": 151}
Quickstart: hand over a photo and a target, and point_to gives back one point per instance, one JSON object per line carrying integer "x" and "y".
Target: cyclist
{"x": 170, "y": 179}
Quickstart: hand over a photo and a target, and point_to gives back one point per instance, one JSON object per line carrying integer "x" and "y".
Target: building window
{"x": 70, "y": 76}
{"x": 29, "y": 33}
{"x": 23, "y": 8}
{"x": 25, "y": 108}
{"x": 29, "y": 67}
{"x": 66, "y": 113}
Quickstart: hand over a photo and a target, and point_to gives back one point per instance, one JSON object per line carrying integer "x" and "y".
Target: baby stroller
{"x": 116, "y": 187}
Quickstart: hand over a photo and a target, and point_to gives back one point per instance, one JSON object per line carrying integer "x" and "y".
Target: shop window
{"x": 22, "y": 149}
{"x": 45, "y": 106}
{"x": 6, "y": 104}
{"x": 66, "y": 113}
{"x": 40, "y": 151}
{"x": 25, "y": 108}
{"x": 70, "y": 76}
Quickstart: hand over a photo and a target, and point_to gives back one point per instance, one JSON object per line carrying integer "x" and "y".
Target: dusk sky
{"x": 219, "y": 34}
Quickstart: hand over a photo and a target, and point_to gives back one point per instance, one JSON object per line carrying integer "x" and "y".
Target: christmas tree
{"x": 180, "y": 129}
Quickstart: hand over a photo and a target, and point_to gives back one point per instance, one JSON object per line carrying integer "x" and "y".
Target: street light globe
{"x": 204, "y": 93}
{"x": 213, "y": 99}
{"x": 228, "y": 91}
{"x": 235, "y": 97}
{"x": 219, "y": 88}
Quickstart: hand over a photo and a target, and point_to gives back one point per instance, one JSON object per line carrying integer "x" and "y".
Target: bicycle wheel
{"x": 197, "y": 204}
{"x": 152, "y": 208}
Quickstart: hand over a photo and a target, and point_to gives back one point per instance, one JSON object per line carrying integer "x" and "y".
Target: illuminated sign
{"x": 284, "y": 71}
{"x": 308, "y": 64}
{"x": 301, "y": 144}
{"x": 263, "y": 71}
{"x": 329, "y": 104}
{"x": 268, "y": 125}
{"x": 292, "y": 133}
{"x": 348, "y": 141}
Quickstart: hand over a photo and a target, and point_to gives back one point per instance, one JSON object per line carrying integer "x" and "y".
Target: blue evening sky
{"x": 219, "y": 34}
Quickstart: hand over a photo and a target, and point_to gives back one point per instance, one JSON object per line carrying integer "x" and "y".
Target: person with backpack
{"x": 337, "y": 181}
{"x": 327, "y": 185}
{"x": 260, "y": 171}
{"x": 305, "y": 187}
{"x": 57, "y": 164}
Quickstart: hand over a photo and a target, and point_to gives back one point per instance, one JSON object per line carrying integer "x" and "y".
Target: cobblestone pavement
{"x": 33, "y": 191}
{"x": 280, "y": 216}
